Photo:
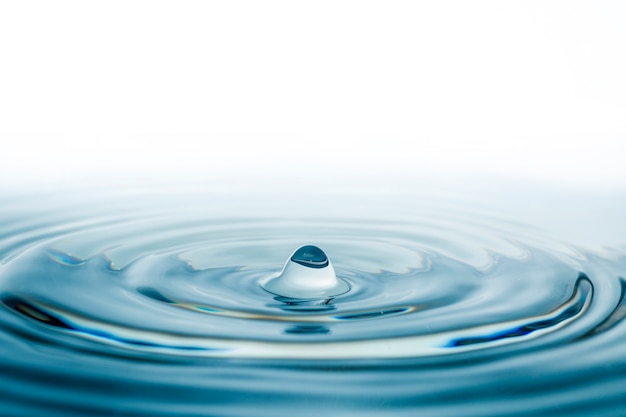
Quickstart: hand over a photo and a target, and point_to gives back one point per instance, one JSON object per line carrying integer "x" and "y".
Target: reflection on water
{"x": 161, "y": 304}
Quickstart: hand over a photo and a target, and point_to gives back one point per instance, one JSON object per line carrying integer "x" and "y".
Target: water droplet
{"x": 310, "y": 256}
{"x": 307, "y": 274}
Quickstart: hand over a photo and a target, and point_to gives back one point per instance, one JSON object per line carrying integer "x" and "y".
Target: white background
{"x": 341, "y": 90}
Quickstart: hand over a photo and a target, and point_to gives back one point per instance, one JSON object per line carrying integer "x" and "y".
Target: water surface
{"x": 151, "y": 302}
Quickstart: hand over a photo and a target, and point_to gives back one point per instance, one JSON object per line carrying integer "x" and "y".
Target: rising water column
{"x": 307, "y": 274}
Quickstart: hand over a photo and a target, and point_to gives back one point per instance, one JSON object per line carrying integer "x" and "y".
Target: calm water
{"x": 151, "y": 302}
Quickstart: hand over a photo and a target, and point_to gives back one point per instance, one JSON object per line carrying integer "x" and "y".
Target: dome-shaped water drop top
{"x": 307, "y": 274}
{"x": 310, "y": 256}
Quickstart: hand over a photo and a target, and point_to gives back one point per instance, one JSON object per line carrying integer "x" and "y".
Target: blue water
{"x": 152, "y": 302}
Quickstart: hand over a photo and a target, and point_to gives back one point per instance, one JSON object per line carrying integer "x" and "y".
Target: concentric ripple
{"x": 181, "y": 288}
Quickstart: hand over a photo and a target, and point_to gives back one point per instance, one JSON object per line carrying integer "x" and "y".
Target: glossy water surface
{"x": 153, "y": 303}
